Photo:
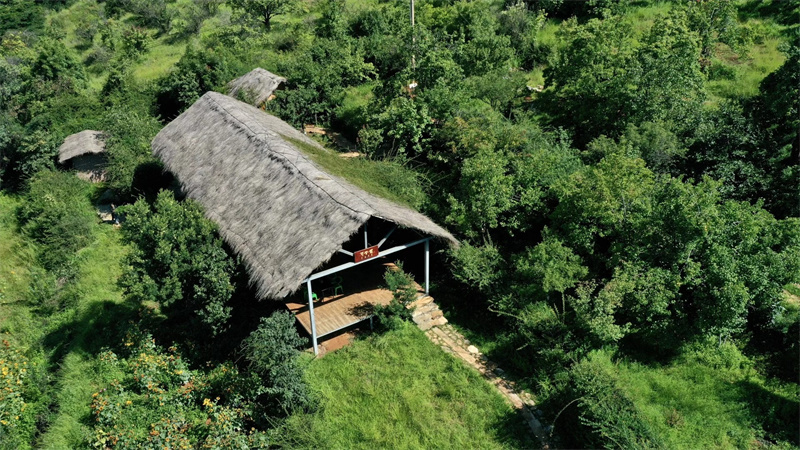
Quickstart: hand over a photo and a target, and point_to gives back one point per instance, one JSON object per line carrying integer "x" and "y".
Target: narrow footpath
{"x": 430, "y": 319}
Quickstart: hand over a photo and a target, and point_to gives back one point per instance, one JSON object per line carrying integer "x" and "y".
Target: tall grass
{"x": 400, "y": 391}
{"x": 82, "y": 329}
{"x": 713, "y": 398}
{"x": 744, "y": 74}
{"x": 61, "y": 346}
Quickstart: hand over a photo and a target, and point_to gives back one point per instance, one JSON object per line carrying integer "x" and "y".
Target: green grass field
{"x": 80, "y": 331}
{"x": 61, "y": 346}
{"x": 398, "y": 390}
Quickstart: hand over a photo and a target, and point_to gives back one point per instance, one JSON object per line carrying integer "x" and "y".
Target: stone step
{"x": 420, "y": 302}
{"x": 425, "y": 309}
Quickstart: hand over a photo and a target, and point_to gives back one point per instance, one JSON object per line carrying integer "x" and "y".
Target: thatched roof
{"x": 282, "y": 213}
{"x": 85, "y": 142}
{"x": 258, "y": 85}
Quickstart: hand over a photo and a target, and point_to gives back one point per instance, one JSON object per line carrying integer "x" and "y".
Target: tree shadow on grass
{"x": 97, "y": 326}
{"x": 777, "y": 415}
{"x": 511, "y": 430}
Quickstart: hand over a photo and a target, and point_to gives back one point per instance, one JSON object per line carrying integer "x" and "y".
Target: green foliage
{"x": 178, "y": 261}
{"x": 135, "y": 42}
{"x": 622, "y": 243}
{"x": 263, "y": 10}
{"x": 477, "y": 266}
{"x": 605, "y": 408}
{"x": 406, "y": 123}
{"x": 149, "y": 13}
{"x": 20, "y": 15}
{"x": 56, "y": 62}
{"x": 198, "y": 71}
{"x": 187, "y": 16}
{"x": 57, "y": 215}
{"x": 603, "y": 79}
{"x": 404, "y": 293}
{"x": 13, "y": 381}
{"x": 714, "y": 21}
{"x": 155, "y": 400}
{"x": 272, "y": 352}
{"x": 319, "y": 76}
{"x": 128, "y": 135}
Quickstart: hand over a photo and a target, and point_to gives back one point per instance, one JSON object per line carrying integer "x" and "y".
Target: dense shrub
{"x": 197, "y": 72}
{"x": 56, "y": 62}
{"x": 272, "y": 352}
{"x": 128, "y": 135}
{"x": 153, "y": 400}
{"x": 178, "y": 261}
{"x": 20, "y": 15}
{"x": 609, "y": 414}
{"x": 13, "y": 419}
{"x": 58, "y": 215}
{"x": 404, "y": 293}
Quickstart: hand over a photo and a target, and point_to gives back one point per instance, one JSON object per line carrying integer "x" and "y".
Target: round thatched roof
{"x": 277, "y": 209}
{"x": 85, "y": 142}
{"x": 257, "y": 85}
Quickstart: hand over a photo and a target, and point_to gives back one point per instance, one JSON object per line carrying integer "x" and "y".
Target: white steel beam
{"x": 346, "y": 266}
{"x": 387, "y": 236}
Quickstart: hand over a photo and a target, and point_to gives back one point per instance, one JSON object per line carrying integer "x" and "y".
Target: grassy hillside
{"x": 398, "y": 390}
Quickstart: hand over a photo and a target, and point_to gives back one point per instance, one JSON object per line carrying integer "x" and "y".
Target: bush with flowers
{"x": 15, "y": 413}
{"x": 154, "y": 400}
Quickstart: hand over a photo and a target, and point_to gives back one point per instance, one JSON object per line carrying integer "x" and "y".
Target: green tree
{"x": 553, "y": 266}
{"x": 776, "y": 110}
{"x": 264, "y": 10}
{"x": 603, "y": 78}
{"x": 55, "y": 62}
{"x": 178, "y": 261}
{"x": 272, "y": 352}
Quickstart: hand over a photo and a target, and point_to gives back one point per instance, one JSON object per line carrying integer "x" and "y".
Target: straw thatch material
{"x": 257, "y": 85}
{"x": 83, "y": 143}
{"x": 278, "y": 210}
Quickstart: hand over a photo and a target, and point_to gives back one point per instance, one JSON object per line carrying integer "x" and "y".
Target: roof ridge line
{"x": 285, "y": 158}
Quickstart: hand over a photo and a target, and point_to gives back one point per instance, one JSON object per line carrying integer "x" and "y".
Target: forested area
{"x": 623, "y": 175}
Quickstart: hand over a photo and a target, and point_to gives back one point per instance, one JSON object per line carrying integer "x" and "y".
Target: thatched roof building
{"x": 85, "y": 152}
{"x": 276, "y": 208}
{"x": 256, "y": 86}
{"x": 84, "y": 143}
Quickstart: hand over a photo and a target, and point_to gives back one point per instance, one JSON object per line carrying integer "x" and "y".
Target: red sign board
{"x": 367, "y": 253}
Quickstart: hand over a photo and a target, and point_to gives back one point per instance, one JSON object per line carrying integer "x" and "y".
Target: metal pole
{"x": 311, "y": 311}
{"x": 427, "y": 265}
{"x": 366, "y": 243}
{"x": 413, "y": 40}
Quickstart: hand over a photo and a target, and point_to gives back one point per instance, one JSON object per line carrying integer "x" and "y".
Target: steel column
{"x": 427, "y": 265}
{"x": 311, "y": 311}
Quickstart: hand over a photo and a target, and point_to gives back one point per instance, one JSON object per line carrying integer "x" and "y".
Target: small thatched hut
{"x": 84, "y": 152}
{"x": 256, "y": 86}
{"x": 281, "y": 212}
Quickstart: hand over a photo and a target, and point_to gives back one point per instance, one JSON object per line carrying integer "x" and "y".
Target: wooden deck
{"x": 363, "y": 288}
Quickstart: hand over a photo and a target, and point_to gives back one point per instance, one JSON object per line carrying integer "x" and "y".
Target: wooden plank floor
{"x": 363, "y": 288}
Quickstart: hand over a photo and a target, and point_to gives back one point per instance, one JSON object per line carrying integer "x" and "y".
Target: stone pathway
{"x": 430, "y": 319}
